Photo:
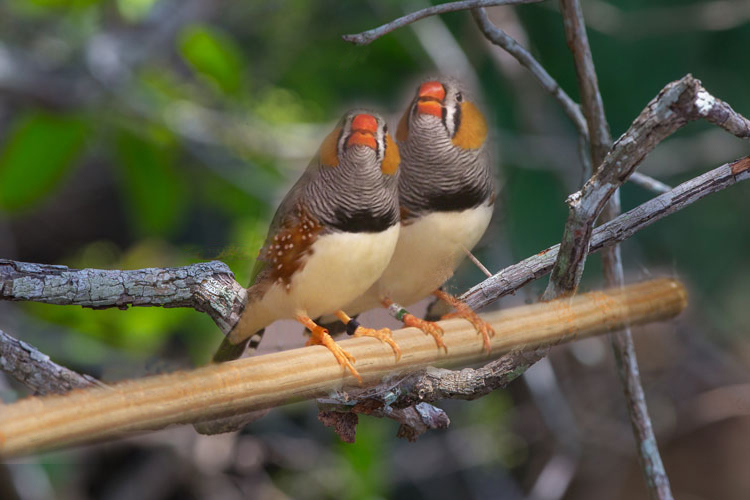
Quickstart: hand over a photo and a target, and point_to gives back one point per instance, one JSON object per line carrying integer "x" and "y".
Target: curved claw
{"x": 464, "y": 311}
{"x": 428, "y": 327}
{"x": 481, "y": 326}
{"x": 320, "y": 336}
{"x": 384, "y": 335}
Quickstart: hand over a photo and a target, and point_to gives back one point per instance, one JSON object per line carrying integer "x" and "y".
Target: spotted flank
{"x": 285, "y": 253}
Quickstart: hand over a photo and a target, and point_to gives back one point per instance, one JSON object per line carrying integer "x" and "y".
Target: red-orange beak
{"x": 430, "y": 99}
{"x": 364, "y": 128}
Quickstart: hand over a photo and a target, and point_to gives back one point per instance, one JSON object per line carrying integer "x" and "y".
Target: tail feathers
{"x": 228, "y": 351}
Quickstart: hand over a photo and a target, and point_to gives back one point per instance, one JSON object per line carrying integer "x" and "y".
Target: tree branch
{"x": 600, "y": 142}
{"x": 259, "y": 382}
{"x": 514, "y": 277}
{"x": 569, "y": 106}
{"x": 38, "y": 372}
{"x": 207, "y": 287}
{"x": 649, "y": 183}
{"x": 435, "y": 384}
{"x": 678, "y": 103}
{"x": 210, "y": 287}
{"x": 591, "y": 99}
{"x": 367, "y": 37}
{"x": 35, "y": 370}
{"x": 524, "y": 57}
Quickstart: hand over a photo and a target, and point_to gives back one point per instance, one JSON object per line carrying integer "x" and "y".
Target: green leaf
{"x": 135, "y": 10}
{"x": 154, "y": 191}
{"x": 213, "y": 55}
{"x": 36, "y": 156}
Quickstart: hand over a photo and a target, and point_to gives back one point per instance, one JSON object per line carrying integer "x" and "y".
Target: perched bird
{"x": 330, "y": 239}
{"x": 446, "y": 195}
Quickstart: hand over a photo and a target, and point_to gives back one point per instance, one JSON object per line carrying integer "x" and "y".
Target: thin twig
{"x": 35, "y": 370}
{"x": 649, "y": 183}
{"x": 477, "y": 262}
{"x": 591, "y": 100}
{"x": 367, "y": 37}
{"x": 505, "y": 41}
{"x": 569, "y": 106}
{"x": 220, "y": 390}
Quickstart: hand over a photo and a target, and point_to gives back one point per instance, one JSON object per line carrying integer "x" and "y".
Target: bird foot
{"x": 383, "y": 334}
{"x": 464, "y": 311}
{"x": 428, "y": 327}
{"x": 320, "y": 336}
{"x": 481, "y": 326}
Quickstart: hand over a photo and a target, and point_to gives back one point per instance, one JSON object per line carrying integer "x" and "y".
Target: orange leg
{"x": 320, "y": 336}
{"x": 428, "y": 327}
{"x": 463, "y": 311}
{"x": 384, "y": 334}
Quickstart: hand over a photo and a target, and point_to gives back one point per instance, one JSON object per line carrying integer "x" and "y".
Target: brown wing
{"x": 287, "y": 224}
{"x": 286, "y": 251}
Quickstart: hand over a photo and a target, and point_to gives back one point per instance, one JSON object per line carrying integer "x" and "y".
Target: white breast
{"x": 341, "y": 267}
{"x": 427, "y": 253}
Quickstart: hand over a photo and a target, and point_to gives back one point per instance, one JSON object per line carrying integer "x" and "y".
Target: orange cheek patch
{"x": 392, "y": 158}
{"x": 328, "y": 150}
{"x": 472, "y": 130}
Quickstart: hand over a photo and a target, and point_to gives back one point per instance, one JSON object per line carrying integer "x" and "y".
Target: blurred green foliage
{"x": 36, "y": 155}
{"x": 194, "y": 129}
{"x": 152, "y": 187}
{"x": 214, "y": 56}
{"x": 198, "y": 152}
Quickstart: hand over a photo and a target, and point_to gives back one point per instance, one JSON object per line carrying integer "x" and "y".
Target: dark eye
{"x": 459, "y": 97}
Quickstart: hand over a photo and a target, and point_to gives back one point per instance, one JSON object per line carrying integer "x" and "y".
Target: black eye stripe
{"x": 456, "y": 119}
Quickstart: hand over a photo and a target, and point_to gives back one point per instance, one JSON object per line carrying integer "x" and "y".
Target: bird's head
{"x": 361, "y": 134}
{"x": 443, "y": 101}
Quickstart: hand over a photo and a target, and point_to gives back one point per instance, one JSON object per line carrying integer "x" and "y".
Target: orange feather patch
{"x": 472, "y": 131}
{"x": 329, "y": 149}
{"x": 392, "y": 159}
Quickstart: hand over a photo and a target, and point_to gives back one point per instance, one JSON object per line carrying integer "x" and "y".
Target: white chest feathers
{"x": 427, "y": 253}
{"x": 429, "y": 250}
{"x": 342, "y": 266}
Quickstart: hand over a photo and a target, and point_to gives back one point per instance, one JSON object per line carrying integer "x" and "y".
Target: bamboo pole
{"x": 40, "y": 423}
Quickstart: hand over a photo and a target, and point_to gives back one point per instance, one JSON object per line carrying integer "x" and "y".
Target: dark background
{"x": 143, "y": 133}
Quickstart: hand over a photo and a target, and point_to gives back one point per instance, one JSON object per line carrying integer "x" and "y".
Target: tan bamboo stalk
{"x": 40, "y": 423}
